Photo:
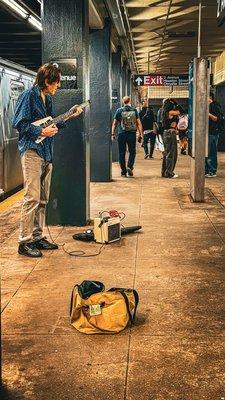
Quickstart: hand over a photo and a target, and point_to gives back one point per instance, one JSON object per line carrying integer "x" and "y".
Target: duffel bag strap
{"x": 72, "y": 299}
{"x": 136, "y": 300}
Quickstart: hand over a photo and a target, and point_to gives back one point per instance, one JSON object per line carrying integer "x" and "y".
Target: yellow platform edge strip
{"x": 10, "y": 201}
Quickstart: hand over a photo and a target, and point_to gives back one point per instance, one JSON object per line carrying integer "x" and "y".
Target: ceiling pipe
{"x": 114, "y": 11}
{"x": 131, "y": 36}
{"x": 164, "y": 33}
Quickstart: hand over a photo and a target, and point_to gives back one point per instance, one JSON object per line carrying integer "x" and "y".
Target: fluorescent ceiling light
{"x": 23, "y": 13}
{"x": 35, "y": 22}
{"x": 16, "y": 7}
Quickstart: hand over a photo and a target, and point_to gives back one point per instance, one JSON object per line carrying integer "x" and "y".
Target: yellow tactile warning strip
{"x": 10, "y": 201}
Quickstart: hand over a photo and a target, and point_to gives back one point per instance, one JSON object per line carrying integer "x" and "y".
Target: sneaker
{"x": 29, "y": 250}
{"x": 146, "y": 156}
{"x": 174, "y": 176}
{"x": 44, "y": 244}
{"x": 123, "y": 174}
{"x": 183, "y": 152}
{"x": 210, "y": 175}
{"x": 130, "y": 172}
{"x": 151, "y": 157}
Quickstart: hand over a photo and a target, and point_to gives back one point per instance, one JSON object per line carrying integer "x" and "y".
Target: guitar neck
{"x": 62, "y": 117}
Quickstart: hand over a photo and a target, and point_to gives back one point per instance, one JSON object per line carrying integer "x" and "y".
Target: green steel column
{"x": 66, "y": 36}
{"x": 100, "y": 95}
{"x": 116, "y": 74}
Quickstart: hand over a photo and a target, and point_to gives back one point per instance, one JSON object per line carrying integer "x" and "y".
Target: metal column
{"x": 129, "y": 82}
{"x": 116, "y": 94}
{"x": 200, "y": 127}
{"x": 124, "y": 79}
{"x": 66, "y": 36}
{"x": 100, "y": 95}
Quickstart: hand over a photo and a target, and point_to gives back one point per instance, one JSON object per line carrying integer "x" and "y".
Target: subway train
{"x": 14, "y": 79}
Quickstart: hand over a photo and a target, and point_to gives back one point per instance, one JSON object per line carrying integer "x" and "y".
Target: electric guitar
{"x": 47, "y": 121}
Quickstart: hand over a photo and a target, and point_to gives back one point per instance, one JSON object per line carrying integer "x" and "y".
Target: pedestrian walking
{"x": 215, "y": 117}
{"x": 149, "y": 133}
{"x": 128, "y": 122}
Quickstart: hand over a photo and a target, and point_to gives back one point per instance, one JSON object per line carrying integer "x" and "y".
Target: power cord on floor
{"x": 81, "y": 253}
{"x": 74, "y": 253}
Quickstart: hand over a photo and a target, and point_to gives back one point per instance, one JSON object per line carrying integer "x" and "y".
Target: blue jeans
{"x": 126, "y": 139}
{"x": 151, "y": 136}
{"x": 211, "y": 160}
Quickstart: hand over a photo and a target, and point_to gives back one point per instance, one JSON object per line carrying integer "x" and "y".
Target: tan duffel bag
{"x": 103, "y": 312}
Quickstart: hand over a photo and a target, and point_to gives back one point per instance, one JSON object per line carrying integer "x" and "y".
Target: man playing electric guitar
{"x": 33, "y": 104}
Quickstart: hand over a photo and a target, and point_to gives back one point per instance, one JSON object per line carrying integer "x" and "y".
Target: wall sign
{"x": 68, "y": 67}
{"x": 161, "y": 80}
{"x": 115, "y": 97}
{"x": 220, "y": 12}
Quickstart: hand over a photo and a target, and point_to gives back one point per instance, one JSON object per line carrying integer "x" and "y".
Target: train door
{"x": 12, "y": 164}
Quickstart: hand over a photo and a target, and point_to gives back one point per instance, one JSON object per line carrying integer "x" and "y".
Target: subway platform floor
{"x": 176, "y": 262}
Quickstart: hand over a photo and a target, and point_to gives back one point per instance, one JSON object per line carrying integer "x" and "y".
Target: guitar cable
{"x": 74, "y": 253}
{"x": 82, "y": 253}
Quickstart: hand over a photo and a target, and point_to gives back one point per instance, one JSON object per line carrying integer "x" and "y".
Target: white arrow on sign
{"x": 138, "y": 80}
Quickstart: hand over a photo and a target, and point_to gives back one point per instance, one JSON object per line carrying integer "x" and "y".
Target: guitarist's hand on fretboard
{"x": 49, "y": 131}
{"x": 77, "y": 111}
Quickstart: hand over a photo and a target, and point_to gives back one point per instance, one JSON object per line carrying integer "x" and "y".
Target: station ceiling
{"x": 163, "y": 32}
{"x": 167, "y": 31}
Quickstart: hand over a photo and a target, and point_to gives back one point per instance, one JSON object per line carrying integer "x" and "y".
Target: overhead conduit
{"x": 113, "y": 8}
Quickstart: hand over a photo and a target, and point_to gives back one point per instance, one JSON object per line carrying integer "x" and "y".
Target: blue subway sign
{"x": 220, "y": 12}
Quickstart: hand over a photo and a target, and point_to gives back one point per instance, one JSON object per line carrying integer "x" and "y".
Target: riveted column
{"x": 200, "y": 123}
{"x": 66, "y": 41}
{"x": 100, "y": 94}
{"x": 128, "y": 82}
{"x": 124, "y": 79}
{"x": 116, "y": 94}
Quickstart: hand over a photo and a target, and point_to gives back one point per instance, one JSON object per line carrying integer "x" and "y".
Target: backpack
{"x": 183, "y": 123}
{"x": 103, "y": 311}
{"x": 129, "y": 120}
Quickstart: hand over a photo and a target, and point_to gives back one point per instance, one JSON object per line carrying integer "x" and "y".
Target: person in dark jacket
{"x": 214, "y": 119}
{"x": 143, "y": 110}
{"x": 148, "y": 132}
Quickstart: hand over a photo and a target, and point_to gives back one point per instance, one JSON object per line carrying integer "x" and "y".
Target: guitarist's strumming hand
{"x": 49, "y": 131}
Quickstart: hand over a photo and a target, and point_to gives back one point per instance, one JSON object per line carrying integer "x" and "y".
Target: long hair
{"x": 49, "y": 72}
{"x": 168, "y": 105}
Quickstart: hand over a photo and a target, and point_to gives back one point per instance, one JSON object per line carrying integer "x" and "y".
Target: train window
{"x": 17, "y": 87}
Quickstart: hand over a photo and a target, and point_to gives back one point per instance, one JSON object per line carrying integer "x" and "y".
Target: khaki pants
{"x": 37, "y": 179}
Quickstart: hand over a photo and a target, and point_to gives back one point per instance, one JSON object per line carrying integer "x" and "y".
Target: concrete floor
{"x": 177, "y": 263}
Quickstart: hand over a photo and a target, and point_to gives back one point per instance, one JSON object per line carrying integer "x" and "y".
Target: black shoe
{"x": 130, "y": 172}
{"x": 29, "y": 250}
{"x": 123, "y": 174}
{"x": 44, "y": 244}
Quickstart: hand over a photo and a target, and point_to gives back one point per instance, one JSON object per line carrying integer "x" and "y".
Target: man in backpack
{"x": 128, "y": 122}
{"x": 215, "y": 115}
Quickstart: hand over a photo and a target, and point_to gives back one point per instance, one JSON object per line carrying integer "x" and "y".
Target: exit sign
{"x": 161, "y": 80}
